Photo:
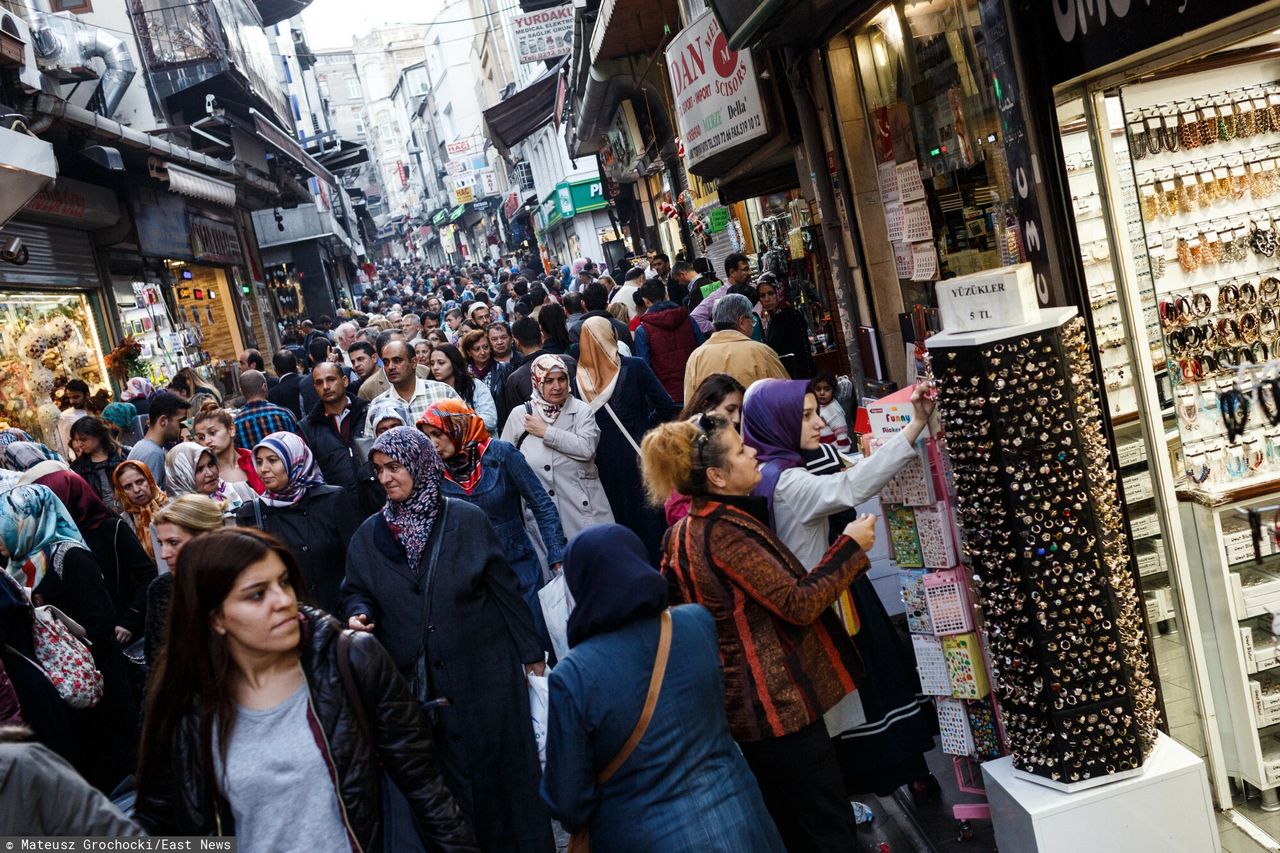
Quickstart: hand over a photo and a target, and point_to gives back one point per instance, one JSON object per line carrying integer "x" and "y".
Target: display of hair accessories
{"x": 1038, "y": 503}
{"x": 913, "y": 599}
{"x": 901, "y": 522}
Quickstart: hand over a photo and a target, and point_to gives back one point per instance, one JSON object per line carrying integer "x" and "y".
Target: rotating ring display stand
{"x": 1040, "y": 510}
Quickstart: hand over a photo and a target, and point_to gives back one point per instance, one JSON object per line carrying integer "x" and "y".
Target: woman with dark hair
{"x": 47, "y": 555}
{"x": 448, "y": 366}
{"x": 126, "y": 568}
{"x": 422, "y": 353}
{"x": 214, "y": 427}
{"x": 555, "y": 329}
{"x": 685, "y": 785}
{"x": 883, "y": 730}
{"x": 478, "y": 352}
{"x": 431, "y": 579}
{"x": 97, "y": 455}
{"x": 786, "y": 657}
{"x": 313, "y": 519}
{"x": 247, "y": 672}
{"x": 721, "y": 395}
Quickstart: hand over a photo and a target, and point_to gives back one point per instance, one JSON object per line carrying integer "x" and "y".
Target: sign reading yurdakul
{"x": 545, "y": 34}
{"x": 716, "y": 95}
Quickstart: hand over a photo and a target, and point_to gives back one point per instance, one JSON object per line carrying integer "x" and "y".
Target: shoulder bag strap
{"x": 438, "y": 534}
{"x": 622, "y": 429}
{"x": 650, "y": 702}
{"x": 349, "y": 686}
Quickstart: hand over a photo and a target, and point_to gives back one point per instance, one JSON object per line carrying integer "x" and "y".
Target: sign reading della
{"x": 717, "y": 99}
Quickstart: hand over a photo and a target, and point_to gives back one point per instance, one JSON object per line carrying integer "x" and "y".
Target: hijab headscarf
{"x": 598, "y": 362}
{"x": 299, "y": 466}
{"x": 23, "y": 455}
{"x": 35, "y": 472}
{"x": 180, "y": 474}
{"x": 123, "y": 415}
{"x": 542, "y": 367}
{"x": 772, "y": 417}
{"x": 470, "y": 439}
{"x": 137, "y": 388}
{"x": 411, "y": 520}
{"x": 83, "y": 504}
{"x": 142, "y": 516}
{"x": 383, "y": 407}
{"x": 37, "y": 531}
{"x": 11, "y": 434}
{"x": 611, "y": 580}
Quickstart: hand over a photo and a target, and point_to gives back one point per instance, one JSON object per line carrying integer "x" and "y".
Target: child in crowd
{"x": 836, "y": 430}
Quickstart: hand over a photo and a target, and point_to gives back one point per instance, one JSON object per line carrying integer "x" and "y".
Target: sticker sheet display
{"x": 901, "y": 522}
{"x": 913, "y": 599}
{"x": 935, "y": 678}
{"x": 948, "y": 606}
{"x": 953, "y": 727}
{"x": 933, "y": 529}
{"x": 965, "y": 669}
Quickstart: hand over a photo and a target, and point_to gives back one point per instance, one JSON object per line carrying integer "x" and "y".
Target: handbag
{"x": 420, "y": 683}
{"x": 64, "y": 657}
{"x": 580, "y": 842}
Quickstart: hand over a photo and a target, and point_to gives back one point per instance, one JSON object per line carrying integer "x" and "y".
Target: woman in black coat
{"x": 127, "y": 570}
{"x": 428, "y": 576}
{"x": 785, "y": 330}
{"x": 238, "y": 640}
{"x": 316, "y": 521}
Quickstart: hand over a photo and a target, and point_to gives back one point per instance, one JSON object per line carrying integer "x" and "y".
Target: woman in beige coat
{"x": 558, "y": 434}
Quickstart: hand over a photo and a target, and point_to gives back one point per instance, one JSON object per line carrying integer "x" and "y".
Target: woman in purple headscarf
{"x": 882, "y": 730}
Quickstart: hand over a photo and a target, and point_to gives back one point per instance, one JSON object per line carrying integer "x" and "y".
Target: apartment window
{"x": 80, "y": 7}
{"x": 522, "y": 172}
{"x": 360, "y": 125}
{"x": 353, "y": 87}
{"x": 323, "y": 85}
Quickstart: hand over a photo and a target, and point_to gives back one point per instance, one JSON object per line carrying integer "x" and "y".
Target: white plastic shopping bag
{"x": 538, "y": 711}
{"x": 557, "y": 603}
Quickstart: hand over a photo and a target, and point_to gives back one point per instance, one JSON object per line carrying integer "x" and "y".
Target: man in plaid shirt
{"x": 257, "y": 418}
{"x": 406, "y": 387}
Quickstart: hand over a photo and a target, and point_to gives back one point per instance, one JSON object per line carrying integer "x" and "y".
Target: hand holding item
{"x": 863, "y": 531}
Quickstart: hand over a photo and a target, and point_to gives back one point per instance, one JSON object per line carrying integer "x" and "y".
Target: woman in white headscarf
{"x": 192, "y": 468}
{"x": 628, "y": 400}
{"x": 558, "y": 435}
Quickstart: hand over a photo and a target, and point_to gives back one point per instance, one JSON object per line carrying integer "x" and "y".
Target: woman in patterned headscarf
{"x": 495, "y": 477}
{"x": 558, "y": 435}
{"x": 25, "y": 455}
{"x": 137, "y": 492}
{"x": 191, "y": 469}
{"x": 315, "y": 521}
{"x": 48, "y": 556}
{"x": 429, "y": 577}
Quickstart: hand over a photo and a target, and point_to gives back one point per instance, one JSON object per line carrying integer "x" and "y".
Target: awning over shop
{"x": 626, "y": 27}
{"x": 783, "y": 23}
{"x": 771, "y": 169}
{"x": 286, "y": 145}
{"x": 511, "y": 121}
{"x": 347, "y": 156}
{"x": 195, "y": 185}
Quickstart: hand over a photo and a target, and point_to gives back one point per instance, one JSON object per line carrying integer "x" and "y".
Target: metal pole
{"x": 832, "y": 239}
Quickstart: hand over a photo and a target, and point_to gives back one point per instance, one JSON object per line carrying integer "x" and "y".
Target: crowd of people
{"x": 317, "y": 608}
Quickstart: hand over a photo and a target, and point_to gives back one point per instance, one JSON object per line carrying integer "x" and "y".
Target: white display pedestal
{"x": 1165, "y": 809}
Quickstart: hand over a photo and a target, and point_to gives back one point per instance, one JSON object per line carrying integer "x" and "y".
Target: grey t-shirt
{"x": 277, "y": 783}
{"x": 152, "y": 455}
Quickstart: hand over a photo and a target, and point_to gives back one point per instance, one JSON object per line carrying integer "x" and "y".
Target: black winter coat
{"x": 174, "y": 799}
{"x": 461, "y": 631}
{"x": 288, "y": 393}
{"x": 127, "y": 571}
{"x": 343, "y": 464}
{"x": 317, "y": 529}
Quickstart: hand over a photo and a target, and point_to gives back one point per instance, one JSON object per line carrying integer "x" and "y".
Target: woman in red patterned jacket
{"x": 786, "y": 660}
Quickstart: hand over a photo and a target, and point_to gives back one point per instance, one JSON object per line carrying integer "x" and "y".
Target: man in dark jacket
{"x": 595, "y": 301}
{"x": 332, "y": 429}
{"x": 703, "y": 285}
{"x": 288, "y": 392}
{"x": 519, "y": 385}
{"x": 666, "y": 337}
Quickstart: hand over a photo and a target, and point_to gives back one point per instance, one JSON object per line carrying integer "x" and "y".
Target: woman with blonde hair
{"x": 176, "y": 524}
{"x": 214, "y": 427}
{"x": 787, "y": 659}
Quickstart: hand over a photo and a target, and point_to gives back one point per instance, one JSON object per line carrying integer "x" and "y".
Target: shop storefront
{"x": 572, "y": 222}
{"x": 193, "y": 304}
{"x": 55, "y": 321}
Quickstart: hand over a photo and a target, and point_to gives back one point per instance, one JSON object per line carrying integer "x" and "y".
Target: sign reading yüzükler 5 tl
{"x": 717, "y": 98}
{"x": 544, "y": 34}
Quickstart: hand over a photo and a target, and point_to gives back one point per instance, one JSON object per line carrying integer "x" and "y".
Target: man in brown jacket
{"x": 731, "y": 350}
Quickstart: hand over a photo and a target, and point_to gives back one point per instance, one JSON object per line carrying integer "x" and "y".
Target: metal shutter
{"x": 59, "y": 258}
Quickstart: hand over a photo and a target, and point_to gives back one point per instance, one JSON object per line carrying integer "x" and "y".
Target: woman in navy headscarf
{"x": 882, "y": 730}
{"x": 686, "y": 785}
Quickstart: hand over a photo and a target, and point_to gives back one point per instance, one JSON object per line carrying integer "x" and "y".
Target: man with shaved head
{"x": 406, "y": 386}
{"x": 257, "y": 418}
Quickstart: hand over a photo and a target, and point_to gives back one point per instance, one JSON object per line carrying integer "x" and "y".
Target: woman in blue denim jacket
{"x": 495, "y": 476}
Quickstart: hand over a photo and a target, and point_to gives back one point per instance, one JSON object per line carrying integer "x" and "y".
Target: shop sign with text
{"x": 544, "y": 34}
{"x": 214, "y": 242}
{"x": 717, "y": 98}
